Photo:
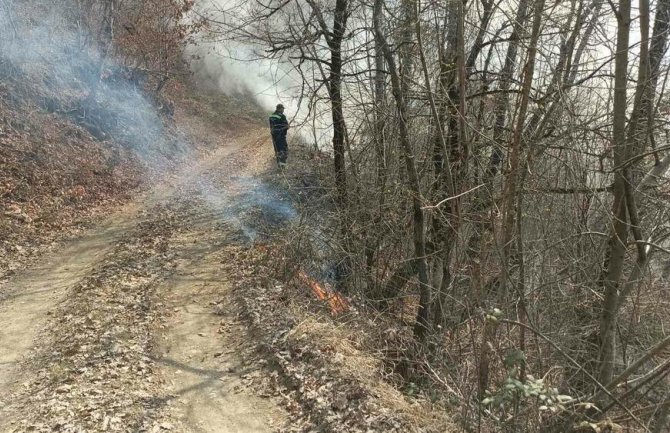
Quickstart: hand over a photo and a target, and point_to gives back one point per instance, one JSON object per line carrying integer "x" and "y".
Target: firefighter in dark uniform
{"x": 278, "y": 129}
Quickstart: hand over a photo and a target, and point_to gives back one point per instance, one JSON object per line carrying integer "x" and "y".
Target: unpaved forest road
{"x": 129, "y": 328}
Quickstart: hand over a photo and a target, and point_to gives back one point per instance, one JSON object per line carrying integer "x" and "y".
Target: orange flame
{"x": 335, "y": 300}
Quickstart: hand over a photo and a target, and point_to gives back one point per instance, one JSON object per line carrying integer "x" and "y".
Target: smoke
{"x": 57, "y": 65}
{"x": 246, "y": 69}
{"x": 248, "y": 205}
{"x": 236, "y": 70}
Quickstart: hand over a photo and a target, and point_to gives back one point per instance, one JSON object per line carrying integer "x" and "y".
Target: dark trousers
{"x": 281, "y": 148}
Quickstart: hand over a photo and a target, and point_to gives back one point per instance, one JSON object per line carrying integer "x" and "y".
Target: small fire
{"x": 336, "y": 301}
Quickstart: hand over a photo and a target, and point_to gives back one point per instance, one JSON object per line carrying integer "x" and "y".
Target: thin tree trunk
{"x": 516, "y": 150}
{"x": 617, "y": 243}
{"x": 406, "y": 47}
{"x": 443, "y": 150}
{"x": 379, "y": 139}
{"x": 487, "y": 13}
{"x": 637, "y": 125}
{"x": 452, "y": 157}
{"x": 502, "y": 99}
{"x": 594, "y": 11}
{"x": 106, "y": 41}
{"x": 335, "y": 90}
{"x": 484, "y": 204}
{"x": 418, "y": 217}
{"x": 657, "y": 47}
{"x": 562, "y": 68}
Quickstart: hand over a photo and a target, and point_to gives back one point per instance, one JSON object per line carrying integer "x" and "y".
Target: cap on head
{"x": 280, "y": 107}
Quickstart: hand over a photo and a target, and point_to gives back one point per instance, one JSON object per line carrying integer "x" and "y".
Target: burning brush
{"x": 335, "y": 300}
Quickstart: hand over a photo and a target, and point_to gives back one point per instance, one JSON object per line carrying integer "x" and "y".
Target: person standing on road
{"x": 278, "y": 130}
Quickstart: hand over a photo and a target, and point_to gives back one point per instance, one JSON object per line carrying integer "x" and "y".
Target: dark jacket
{"x": 278, "y": 125}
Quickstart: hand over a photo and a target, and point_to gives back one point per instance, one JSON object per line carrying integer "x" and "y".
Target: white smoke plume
{"x": 244, "y": 69}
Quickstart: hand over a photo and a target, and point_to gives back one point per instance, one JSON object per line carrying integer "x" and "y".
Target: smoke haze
{"x": 40, "y": 45}
{"x": 245, "y": 69}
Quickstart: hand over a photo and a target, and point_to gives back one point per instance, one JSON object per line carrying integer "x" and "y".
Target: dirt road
{"x": 128, "y": 328}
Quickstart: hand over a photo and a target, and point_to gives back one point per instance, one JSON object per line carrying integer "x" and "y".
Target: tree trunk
{"x": 516, "y": 151}
{"x": 450, "y": 152}
{"x": 502, "y": 99}
{"x": 335, "y": 93}
{"x": 655, "y": 53}
{"x": 617, "y": 243}
{"x": 487, "y": 13}
{"x": 418, "y": 217}
{"x": 406, "y": 47}
{"x": 379, "y": 139}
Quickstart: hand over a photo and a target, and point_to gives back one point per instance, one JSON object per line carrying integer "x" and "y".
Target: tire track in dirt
{"x": 27, "y": 299}
{"x": 205, "y": 353}
{"x": 93, "y": 372}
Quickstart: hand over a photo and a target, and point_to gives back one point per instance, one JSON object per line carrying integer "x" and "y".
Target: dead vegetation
{"x": 330, "y": 372}
{"x": 328, "y": 377}
{"x": 54, "y": 177}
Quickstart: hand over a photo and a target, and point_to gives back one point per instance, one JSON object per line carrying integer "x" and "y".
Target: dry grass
{"x": 361, "y": 363}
